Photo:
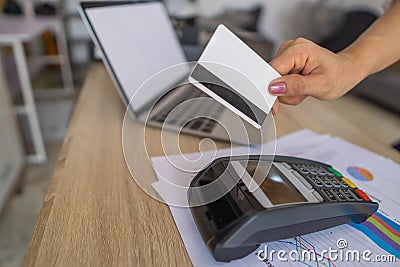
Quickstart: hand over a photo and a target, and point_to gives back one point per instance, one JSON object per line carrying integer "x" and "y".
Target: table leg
{"x": 64, "y": 59}
{"x": 29, "y": 104}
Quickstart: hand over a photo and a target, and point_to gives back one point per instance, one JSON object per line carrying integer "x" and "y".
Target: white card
{"x": 233, "y": 74}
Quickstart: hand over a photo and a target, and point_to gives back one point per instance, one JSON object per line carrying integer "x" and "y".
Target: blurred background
{"x": 45, "y": 52}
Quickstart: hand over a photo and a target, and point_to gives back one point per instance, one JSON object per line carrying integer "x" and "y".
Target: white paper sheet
{"x": 341, "y": 154}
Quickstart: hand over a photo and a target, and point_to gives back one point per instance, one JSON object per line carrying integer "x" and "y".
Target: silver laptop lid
{"x": 136, "y": 41}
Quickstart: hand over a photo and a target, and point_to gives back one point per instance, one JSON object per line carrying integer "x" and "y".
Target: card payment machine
{"x": 296, "y": 197}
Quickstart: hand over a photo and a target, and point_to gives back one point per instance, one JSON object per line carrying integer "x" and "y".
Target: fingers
{"x": 308, "y": 70}
{"x": 292, "y": 85}
{"x": 293, "y": 88}
{"x": 283, "y": 64}
{"x": 285, "y": 45}
{"x": 291, "y": 57}
{"x": 291, "y": 100}
{"x": 288, "y": 100}
{"x": 275, "y": 107}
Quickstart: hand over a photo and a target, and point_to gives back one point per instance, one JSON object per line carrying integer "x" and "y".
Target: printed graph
{"x": 360, "y": 173}
{"x": 382, "y": 231}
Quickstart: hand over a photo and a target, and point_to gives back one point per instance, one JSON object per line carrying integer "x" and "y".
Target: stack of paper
{"x": 374, "y": 241}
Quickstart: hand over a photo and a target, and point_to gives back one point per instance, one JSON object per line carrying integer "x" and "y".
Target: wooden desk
{"x": 93, "y": 213}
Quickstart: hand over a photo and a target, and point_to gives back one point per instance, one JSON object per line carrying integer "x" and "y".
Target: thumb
{"x": 294, "y": 85}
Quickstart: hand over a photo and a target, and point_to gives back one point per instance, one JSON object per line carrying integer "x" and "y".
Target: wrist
{"x": 354, "y": 67}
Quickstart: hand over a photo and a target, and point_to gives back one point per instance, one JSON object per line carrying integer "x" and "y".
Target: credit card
{"x": 237, "y": 77}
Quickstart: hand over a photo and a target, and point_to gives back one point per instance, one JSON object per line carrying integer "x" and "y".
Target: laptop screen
{"x": 137, "y": 41}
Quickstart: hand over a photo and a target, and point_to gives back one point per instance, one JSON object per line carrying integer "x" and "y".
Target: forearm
{"x": 378, "y": 47}
{"x": 310, "y": 70}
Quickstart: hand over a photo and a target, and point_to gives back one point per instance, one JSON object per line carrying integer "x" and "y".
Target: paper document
{"x": 379, "y": 236}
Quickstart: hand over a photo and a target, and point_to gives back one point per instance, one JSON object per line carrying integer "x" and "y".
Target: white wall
{"x": 288, "y": 19}
{"x": 282, "y": 19}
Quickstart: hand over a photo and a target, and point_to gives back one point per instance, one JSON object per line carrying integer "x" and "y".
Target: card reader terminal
{"x": 296, "y": 197}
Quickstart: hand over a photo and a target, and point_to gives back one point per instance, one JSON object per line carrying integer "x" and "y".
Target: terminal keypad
{"x": 329, "y": 183}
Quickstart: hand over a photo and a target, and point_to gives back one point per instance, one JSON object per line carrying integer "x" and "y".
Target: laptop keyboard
{"x": 210, "y": 109}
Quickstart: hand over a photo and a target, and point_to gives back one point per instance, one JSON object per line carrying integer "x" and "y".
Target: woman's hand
{"x": 310, "y": 70}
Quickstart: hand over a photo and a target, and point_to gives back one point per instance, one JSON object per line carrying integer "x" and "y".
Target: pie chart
{"x": 360, "y": 174}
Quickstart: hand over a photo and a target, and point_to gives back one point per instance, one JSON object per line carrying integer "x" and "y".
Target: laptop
{"x": 136, "y": 41}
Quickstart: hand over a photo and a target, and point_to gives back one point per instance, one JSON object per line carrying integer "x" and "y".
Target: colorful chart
{"x": 360, "y": 173}
{"x": 382, "y": 231}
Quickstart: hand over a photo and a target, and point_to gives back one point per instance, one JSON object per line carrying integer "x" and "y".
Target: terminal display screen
{"x": 277, "y": 188}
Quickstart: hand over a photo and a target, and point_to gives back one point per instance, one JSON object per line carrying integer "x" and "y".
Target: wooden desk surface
{"x": 93, "y": 214}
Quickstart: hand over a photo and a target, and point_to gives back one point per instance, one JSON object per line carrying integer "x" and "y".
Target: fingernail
{"x": 277, "y": 88}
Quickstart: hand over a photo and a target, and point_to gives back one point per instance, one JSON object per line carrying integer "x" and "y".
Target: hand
{"x": 310, "y": 70}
